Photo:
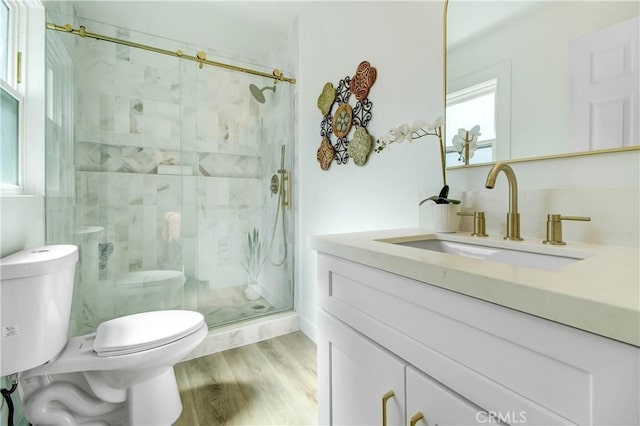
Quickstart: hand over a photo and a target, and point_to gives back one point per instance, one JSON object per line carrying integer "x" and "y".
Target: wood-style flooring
{"x": 272, "y": 382}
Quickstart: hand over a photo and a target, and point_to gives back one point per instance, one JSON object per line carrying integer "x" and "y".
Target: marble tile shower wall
{"x": 135, "y": 111}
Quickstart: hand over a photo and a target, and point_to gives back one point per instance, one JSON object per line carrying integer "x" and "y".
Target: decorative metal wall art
{"x": 360, "y": 146}
{"x": 342, "y": 120}
{"x": 339, "y": 118}
{"x": 363, "y": 80}
{"x": 326, "y": 98}
{"x": 325, "y": 154}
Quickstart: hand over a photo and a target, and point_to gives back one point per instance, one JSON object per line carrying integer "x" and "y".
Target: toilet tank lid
{"x": 38, "y": 261}
{"x": 147, "y": 330}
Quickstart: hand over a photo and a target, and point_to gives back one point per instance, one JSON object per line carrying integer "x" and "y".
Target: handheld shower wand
{"x": 284, "y": 201}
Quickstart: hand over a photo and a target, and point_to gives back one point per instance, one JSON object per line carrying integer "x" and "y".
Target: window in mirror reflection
{"x": 468, "y": 107}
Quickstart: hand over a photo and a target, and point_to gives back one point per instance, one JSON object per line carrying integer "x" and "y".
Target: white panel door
{"x": 603, "y": 73}
{"x": 360, "y": 373}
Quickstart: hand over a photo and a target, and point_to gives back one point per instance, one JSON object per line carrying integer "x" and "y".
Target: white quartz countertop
{"x": 599, "y": 294}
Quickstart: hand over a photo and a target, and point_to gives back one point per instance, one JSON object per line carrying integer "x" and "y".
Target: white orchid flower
{"x": 417, "y": 130}
{"x": 466, "y": 136}
{"x": 419, "y": 125}
{"x": 458, "y": 141}
{"x": 433, "y": 126}
{"x": 402, "y": 132}
{"x": 475, "y": 133}
{"x": 387, "y": 138}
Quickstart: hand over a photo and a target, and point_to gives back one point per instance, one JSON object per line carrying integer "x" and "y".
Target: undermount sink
{"x": 511, "y": 256}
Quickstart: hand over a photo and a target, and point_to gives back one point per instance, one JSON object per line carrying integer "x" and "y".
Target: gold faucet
{"x": 513, "y": 217}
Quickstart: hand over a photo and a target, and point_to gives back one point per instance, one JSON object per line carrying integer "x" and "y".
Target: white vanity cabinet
{"x": 364, "y": 377}
{"x": 459, "y": 360}
{"x": 359, "y": 376}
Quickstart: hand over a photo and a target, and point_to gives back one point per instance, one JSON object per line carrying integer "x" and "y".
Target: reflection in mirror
{"x": 541, "y": 78}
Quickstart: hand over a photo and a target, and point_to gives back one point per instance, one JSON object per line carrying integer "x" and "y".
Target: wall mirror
{"x": 541, "y": 78}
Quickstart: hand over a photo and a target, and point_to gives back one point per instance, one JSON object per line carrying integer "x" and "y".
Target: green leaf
{"x": 439, "y": 200}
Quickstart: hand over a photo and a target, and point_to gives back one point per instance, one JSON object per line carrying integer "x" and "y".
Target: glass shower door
{"x": 243, "y": 264}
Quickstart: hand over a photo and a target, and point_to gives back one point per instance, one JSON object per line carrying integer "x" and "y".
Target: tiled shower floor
{"x": 223, "y": 305}
{"x": 219, "y": 306}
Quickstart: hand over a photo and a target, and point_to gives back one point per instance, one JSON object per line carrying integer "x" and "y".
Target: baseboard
{"x": 309, "y": 329}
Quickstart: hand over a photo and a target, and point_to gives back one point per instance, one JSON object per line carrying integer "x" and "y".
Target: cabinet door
{"x": 354, "y": 374}
{"x": 440, "y": 406}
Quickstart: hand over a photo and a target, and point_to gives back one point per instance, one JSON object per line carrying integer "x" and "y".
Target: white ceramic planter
{"x": 445, "y": 217}
{"x": 252, "y": 291}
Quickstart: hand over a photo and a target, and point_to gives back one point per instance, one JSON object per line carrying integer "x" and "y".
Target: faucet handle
{"x": 554, "y": 227}
{"x": 479, "y": 223}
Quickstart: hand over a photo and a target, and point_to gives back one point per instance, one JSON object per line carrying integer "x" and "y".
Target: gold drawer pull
{"x": 416, "y": 418}
{"x": 387, "y": 396}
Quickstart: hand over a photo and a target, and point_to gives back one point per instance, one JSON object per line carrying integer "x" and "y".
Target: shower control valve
{"x": 275, "y": 185}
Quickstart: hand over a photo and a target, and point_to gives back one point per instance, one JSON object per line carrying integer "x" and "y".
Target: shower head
{"x": 257, "y": 93}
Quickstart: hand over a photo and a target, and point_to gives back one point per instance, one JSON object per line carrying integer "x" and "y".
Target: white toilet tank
{"x": 36, "y": 288}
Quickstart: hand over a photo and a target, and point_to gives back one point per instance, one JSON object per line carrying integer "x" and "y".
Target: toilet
{"x": 120, "y": 375}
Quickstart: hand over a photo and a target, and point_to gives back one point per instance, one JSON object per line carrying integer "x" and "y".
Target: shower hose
{"x": 273, "y": 233}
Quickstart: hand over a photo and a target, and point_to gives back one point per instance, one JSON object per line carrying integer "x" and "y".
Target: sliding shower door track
{"x": 200, "y": 58}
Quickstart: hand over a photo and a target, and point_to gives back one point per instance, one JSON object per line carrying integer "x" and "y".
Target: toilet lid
{"x": 148, "y": 330}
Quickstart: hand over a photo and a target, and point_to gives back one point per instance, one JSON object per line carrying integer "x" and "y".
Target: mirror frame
{"x": 517, "y": 160}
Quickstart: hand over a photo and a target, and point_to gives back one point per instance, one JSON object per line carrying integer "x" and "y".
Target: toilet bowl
{"x": 127, "y": 363}
{"x": 120, "y": 375}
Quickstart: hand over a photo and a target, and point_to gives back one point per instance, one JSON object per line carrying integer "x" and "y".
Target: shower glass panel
{"x": 171, "y": 169}
{"x": 241, "y": 264}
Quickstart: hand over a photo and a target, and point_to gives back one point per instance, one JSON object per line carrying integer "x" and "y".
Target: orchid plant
{"x": 418, "y": 130}
{"x": 465, "y": 142}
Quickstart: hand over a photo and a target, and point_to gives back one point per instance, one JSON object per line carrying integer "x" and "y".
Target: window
{"x": 466, "y": 108}
{"x": 11, "y": 100}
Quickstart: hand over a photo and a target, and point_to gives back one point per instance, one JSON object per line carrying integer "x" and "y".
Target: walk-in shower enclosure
{"x": 161, "y": 173}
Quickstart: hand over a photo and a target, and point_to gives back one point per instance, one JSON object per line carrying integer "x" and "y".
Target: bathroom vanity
{"x": 419, "y": 336}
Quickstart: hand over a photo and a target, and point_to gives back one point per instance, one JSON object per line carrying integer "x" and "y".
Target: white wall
{"x": 403, "y": 40}
{"x": 21, "y": 223}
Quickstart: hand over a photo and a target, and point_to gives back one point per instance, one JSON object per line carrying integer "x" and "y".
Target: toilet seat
{"x": 143, "y": 331}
